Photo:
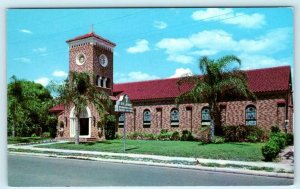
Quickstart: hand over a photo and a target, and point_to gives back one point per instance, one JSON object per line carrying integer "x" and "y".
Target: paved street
{"x": 39, "y": 171}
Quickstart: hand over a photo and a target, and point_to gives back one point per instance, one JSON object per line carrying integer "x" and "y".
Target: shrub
{"x": 218, "y": 140}
{"x": 229, "y": 133}
{"x": 241, "y": 133}
{"x": 175, "y": 136}
{"x": 163, "y": 131}
{"x": 46, "y": 134}
{"x": 270, "y": 150}
{"x": 275, "y": 129}
{"x": 149, "y": 136}
{"x": 33, "y": 135}
{"x": 289, "y": 139}
{"x": 255, "y": 134}
{"x": 110, "y": 127}
{"x": 204, "y": 135}
{"x": 119, "y": 136}
{"x": 110, "y": 130}
{"x": 252, "y": 138}
{"x": 187, "y": 136}
{"x": 279, "y": 138}
{"x": 165, "y": 136}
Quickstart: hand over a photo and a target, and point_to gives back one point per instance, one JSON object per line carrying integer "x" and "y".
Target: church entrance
{"x": 84, "y": 126}
{"x": 85, "y": 120}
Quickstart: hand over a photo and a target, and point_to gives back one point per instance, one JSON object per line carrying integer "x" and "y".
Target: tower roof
{"x": 92, "y": 35}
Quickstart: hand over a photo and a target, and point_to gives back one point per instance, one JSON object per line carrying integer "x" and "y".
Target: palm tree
{"x": 79, "y": 90}
{"x": 221, "y": 81}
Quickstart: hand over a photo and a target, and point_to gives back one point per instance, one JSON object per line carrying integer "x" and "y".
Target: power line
{"x": 155, "y": 32}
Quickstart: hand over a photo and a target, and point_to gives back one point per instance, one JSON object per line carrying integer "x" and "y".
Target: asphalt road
{"x": 40, "y": 171}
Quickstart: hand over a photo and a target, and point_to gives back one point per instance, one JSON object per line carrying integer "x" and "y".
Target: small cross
{"x": 92, "y": 28}
{"x": 126, "y": 98}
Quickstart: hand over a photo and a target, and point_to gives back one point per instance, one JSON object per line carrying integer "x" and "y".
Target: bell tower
{"x": 92, "y": 53}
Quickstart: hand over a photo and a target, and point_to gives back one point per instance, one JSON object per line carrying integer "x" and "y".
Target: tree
{"x": 28, "y": 105}
{"x": 221, "y": 81}
{"x": 79, "y": 91}
{"x": 15, "y": 96}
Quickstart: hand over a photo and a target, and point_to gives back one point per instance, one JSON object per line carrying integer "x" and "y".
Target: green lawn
{"x": 16, "y": 140}
{"x": 230, "y": 151}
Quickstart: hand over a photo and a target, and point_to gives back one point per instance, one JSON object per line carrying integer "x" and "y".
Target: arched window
{"x": 251, "y": 115}
{"x": 107, "y": 83}
{"x": 147, "y": 119}
{"x": 205, "y": 116}
{"x": 174, "y": 117}
{"x": 121, "y": 120}
{"x": 97, "y": 80}
{"x": 101, "y": 82}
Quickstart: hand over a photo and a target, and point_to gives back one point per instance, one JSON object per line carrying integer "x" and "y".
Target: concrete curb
{"x": 195, "y": 167}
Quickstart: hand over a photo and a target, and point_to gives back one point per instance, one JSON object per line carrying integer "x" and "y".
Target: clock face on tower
{"x": 103, "y": 60}
{"x": 80, "y": 59}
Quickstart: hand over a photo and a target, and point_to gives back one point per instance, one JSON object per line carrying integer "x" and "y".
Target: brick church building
{"x": 153, "y": 101}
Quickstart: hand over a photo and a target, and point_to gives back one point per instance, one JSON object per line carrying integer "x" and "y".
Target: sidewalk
{"x": 280, "y": 169}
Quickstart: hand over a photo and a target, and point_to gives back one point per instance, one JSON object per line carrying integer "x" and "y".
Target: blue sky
{"x": 151, "y": 43}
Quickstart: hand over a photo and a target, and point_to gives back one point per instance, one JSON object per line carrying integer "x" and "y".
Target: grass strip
{"x": 86, "y": 156}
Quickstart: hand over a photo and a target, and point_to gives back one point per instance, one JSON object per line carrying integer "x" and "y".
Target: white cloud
{"x": 134, "y": 76}
{"x": 180, "y": 72}
{"x": 228, "y": 16}
{"x": 23, "y": 60}
{"x": 40, "y": 50}
{"x": 183, "y": 59}
{"x": 140, "y": 47}
{"x": 272, "y": 42}
{"x": 26, "y": 31}
{"x": 204, "y": 52}
{"x": 160, "y": 25}
{"x": 173, "y": 45}
{"x": 43, "y": 80}
{"x": 261, "y": 61}
{"x": 59, "y": 74}
{"x": 213, "y": 40}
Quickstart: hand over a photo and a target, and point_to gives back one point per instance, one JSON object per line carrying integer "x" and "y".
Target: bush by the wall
{"x": 175, "y": 136}
{"x": 204, "y": 135}
{"x": 218, "y": 140}
{"x": 163, "y": 131}
{"x": 187, "y": 136}
{"x": 255, "y": 134}
{"x": 270, "y": 150}
{"x": 165, "y": 136}
{"x": 46, "y": 134}
{"x": 275, "y": 129}
{"x": 243, "y": 133}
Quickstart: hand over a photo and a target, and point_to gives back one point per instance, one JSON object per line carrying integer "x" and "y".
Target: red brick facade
{"x": 272, "y": 107}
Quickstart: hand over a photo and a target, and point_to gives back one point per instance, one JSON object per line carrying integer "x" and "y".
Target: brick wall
{"x": 269, "y": 113}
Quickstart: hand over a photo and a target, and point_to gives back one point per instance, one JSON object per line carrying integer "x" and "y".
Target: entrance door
{"x": 84, "y": 126}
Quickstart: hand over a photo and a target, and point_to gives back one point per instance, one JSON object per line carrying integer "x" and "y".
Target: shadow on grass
{"x": 132, "y": 148}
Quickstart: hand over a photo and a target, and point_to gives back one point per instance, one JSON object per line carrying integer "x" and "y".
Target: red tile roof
{"x": 57, "y": 109}
{"x": 92, "y": 34}
{"x": 259, "y": 80}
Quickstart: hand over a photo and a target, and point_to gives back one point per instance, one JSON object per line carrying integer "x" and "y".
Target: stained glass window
{"x": 251, "y": 115}
{"x": 147, "y": 118}
{"x": 205, "y": 116}
{"x": 174, "y": 117}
